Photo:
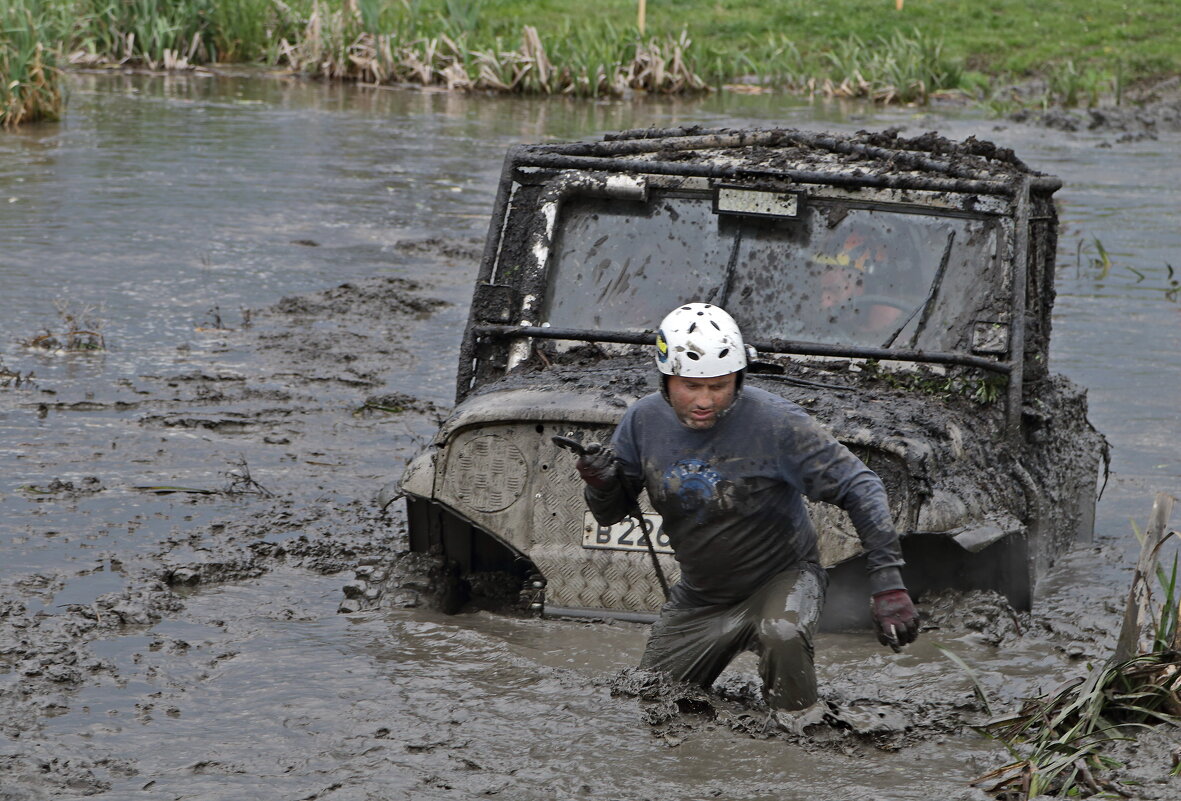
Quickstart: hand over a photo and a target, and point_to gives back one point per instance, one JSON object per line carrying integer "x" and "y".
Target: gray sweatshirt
{"x": 732, "y": 496}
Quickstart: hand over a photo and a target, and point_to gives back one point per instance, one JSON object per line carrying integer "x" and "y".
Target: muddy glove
{"x": 597, "y": 467}
{"x": 895, "y": 618}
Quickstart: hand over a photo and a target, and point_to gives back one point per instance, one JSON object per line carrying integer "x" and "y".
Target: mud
{"x": 845, "y": 720}
{"x": 895, "y": 712}
{"x": 1144, "y": 114}
{"x": 855, "y": 718}
{"x": 407, "y": 581}
{"x": 286, "y": 521}
{"x": 344, "y": 338}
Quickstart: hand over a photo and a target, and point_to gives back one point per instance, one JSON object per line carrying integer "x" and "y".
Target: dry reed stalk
{"x": 325, "y": 50}
{"x": 533, "y": 53}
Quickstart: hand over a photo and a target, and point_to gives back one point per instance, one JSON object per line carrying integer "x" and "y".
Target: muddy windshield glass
{"x": 833, "y": 274}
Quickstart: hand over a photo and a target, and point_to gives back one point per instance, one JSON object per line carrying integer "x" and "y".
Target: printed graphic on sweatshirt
{"x": 698, "y": 490}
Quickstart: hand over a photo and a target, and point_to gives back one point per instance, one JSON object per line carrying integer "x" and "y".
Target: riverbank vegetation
{"x": 1062, "y": 742}
{"x": 900, "y": 51}
{"x": 30, "y": 85}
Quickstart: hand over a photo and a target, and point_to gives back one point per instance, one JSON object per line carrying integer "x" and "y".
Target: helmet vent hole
{"x": 692, "y": 328}
{"x": 722, "y": 353}
{"x": 715, "y": 325}
{"x": 692, "y": 355}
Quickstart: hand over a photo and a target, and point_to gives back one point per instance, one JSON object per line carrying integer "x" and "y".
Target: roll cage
{"x": 745, "y": 175}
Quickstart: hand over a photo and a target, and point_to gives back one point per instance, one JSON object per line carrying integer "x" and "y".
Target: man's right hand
{"x": 597, "y": 467}
{"x": 895, "y": 618}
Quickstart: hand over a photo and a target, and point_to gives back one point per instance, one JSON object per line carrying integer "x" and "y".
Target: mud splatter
{"x": 841, "y": 721}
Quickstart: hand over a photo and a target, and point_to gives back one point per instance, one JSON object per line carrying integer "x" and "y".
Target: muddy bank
{"x": 1143, "y": 114}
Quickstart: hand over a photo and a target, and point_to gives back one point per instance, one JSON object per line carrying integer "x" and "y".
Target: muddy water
{"x": 280, "y": 272}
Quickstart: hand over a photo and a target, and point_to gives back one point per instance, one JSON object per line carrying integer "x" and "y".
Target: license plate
{"x": 624, "y": 535}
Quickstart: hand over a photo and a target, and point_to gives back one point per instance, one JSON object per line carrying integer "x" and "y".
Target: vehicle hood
{"x": 926, "y": 432}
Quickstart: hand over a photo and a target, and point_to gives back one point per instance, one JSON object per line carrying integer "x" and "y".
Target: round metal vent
{"x": 488, "y": 473}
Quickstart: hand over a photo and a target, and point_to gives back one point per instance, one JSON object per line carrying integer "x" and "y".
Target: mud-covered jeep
{"x": 898, "y": 289}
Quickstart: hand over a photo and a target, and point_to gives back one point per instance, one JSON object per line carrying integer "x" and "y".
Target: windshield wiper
{"x": 928, "y": 304}
{"x": 731, "y": 266}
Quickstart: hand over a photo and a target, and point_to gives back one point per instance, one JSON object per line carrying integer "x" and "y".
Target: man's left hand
{"x": 895, "y": 618}
{"x": 597, "y": 467}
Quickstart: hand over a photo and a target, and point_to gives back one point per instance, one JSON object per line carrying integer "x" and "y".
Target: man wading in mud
{"x": 728, "y": 468}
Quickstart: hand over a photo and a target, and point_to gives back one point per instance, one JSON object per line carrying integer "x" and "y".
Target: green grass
{"x": 1000, "y": 37}
{"x": 1081, "y": 53}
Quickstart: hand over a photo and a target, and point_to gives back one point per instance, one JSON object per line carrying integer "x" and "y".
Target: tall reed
{"x": 30, "y": 81}
{"x": 339, "y": 44}
{"x": 896, "y": 68}
{"x": 171, "y": 33}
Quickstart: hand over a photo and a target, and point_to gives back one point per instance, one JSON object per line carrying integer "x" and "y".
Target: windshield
{"x": 834, "y": 274}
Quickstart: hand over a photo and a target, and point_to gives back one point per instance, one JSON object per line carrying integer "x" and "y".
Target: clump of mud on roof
{"x": 878, "y": 152}
{"x": 885, "y": 153}
{"x": 583, "y": 369}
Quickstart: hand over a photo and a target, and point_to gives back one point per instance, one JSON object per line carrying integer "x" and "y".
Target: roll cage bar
{"x": 779, "y": 346}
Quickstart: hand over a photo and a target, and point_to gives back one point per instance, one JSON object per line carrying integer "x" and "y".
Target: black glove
{"x": 895, "y": 618}
{"x": 597, "y": 467}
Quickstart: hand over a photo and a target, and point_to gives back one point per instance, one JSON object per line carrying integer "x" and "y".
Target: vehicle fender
{"x": 536, "y": 405}
{"x": 419, "y": 476}
{"x": 976, "y": 538}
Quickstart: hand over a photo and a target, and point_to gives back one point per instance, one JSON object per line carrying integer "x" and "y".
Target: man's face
{"x": 697, "y": 402}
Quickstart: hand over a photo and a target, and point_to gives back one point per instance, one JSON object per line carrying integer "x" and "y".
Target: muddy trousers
{"x": 777, "y": 622}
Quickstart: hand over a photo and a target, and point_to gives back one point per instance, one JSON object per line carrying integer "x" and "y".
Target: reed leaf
{"x": 977, "y": 687}
{"x": 30, "y": 80}
{"x": 1063, "y": 734}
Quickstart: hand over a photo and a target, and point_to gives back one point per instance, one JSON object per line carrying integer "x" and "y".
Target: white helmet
{"x": 699, "y": 340}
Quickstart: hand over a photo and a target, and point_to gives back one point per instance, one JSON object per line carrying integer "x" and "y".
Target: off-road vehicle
{"x": 898, "y": 289}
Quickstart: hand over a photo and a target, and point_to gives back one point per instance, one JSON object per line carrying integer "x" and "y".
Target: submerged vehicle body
{"x": 899, "y": 290}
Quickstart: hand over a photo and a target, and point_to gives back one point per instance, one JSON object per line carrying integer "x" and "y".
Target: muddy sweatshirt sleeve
{"x": 830, "y": 472}
{"x": 613, "y": 504}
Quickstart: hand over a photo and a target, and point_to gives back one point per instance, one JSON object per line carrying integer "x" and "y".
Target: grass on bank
{"x": 857, "y": 48}
{"x": 1061, "y": 742}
